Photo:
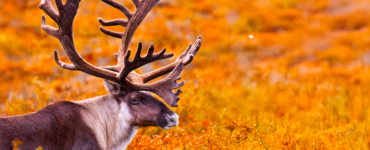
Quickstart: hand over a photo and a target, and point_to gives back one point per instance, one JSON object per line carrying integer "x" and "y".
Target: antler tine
{"x": 120, "y": 7}
{"x": 62, "y": 64}
{"x": 113, "y": 22}
{"x": 186, "y": 57}
{"x": 49, "y": 29}
{"x": 139, "y": 61}
{"x": 111, "y": 33}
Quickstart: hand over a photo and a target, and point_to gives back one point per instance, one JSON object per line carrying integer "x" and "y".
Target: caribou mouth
{"x": 168, "y": 127}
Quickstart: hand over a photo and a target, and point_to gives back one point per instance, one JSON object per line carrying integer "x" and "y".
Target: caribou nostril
{"x": 170, "y": 119}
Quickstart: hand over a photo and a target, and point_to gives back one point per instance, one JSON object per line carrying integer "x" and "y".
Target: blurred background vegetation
{"x": 271, "y": 74}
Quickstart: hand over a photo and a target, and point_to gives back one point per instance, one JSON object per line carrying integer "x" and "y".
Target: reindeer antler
{"x": 123, "y": 73}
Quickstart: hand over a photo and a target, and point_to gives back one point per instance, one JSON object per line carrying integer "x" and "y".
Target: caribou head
{"x": 142, "y": 108}
{"x": 109, "y": 121}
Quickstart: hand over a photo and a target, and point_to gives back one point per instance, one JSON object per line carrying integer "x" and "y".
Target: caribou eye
{"x": 135, "y": 100}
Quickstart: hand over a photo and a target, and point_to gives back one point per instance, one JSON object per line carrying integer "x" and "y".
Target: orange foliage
{"x": 301, "y": 82}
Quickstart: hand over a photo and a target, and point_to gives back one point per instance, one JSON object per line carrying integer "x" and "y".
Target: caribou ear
{"x": 113, "y": 88}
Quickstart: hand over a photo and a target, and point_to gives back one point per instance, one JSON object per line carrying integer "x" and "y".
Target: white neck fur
{"x": 110, "y": 121}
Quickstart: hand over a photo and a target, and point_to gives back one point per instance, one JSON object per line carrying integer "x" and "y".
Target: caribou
{"x": 110, "y": 121}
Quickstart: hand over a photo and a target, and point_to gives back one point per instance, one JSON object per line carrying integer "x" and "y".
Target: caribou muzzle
{"x": 168, "y": 120}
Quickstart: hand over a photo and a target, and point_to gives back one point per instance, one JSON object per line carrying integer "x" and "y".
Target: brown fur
{"x": 57, "y": 126}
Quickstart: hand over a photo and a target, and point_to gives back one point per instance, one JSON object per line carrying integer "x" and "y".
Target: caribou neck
{"x": 110, "y": 121}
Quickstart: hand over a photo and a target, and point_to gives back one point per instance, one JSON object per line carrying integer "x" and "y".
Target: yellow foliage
{"x": 271, "y": 74}
{"x": 16, "y": 142}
